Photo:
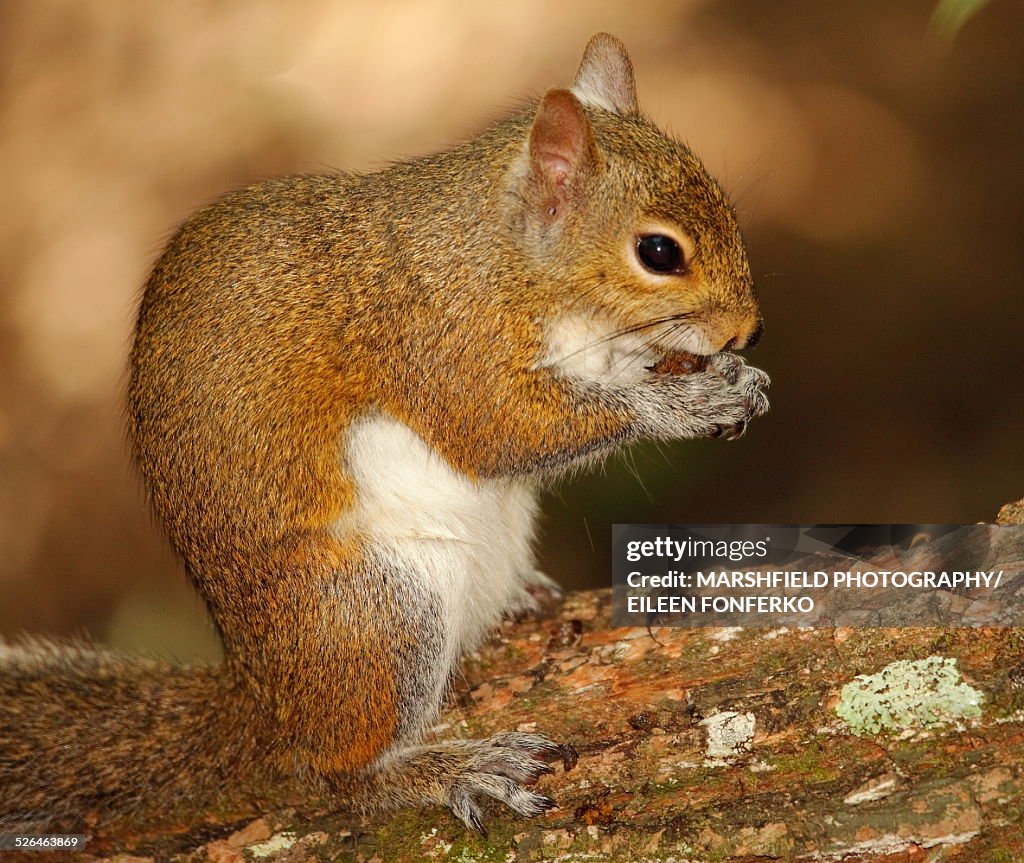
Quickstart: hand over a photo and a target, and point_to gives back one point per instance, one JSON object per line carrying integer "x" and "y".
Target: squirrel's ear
{"x": 561, "y": 142}
{"x": 605, "y": 77}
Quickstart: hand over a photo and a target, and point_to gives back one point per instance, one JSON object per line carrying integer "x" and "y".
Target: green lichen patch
{"x": 908, "y": 694}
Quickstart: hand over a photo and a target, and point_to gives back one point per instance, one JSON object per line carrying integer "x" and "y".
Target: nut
{"x": 679, "y": 363}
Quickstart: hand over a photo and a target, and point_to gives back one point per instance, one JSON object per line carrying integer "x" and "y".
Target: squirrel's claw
{"x": 467, "y": 811}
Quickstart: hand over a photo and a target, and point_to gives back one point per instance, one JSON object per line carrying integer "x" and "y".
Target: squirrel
{"x": 345, "y": 392}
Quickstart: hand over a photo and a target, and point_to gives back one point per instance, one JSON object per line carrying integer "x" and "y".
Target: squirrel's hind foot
{"x": 539, "y": 590}
{"x": 498, "y": 767}
{"x": 458, "y": 774}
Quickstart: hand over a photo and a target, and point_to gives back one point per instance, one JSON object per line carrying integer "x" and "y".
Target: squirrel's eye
{"x": 659, "y": 253}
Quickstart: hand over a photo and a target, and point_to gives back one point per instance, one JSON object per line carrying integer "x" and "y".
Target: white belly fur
{"x": 468, "y": 542}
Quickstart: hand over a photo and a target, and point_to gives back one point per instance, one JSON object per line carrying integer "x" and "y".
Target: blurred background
{"x": 876, "y": 167}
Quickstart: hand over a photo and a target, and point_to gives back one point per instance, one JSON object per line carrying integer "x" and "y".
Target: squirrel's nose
{"x": 735, "y": 343}
{"x": 755, "y": 336}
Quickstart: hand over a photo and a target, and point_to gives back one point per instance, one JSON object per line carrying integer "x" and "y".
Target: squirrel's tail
{"x": 87, "y": 735}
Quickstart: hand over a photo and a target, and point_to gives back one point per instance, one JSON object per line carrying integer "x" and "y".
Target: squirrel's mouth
{"x": 680, "y": 345}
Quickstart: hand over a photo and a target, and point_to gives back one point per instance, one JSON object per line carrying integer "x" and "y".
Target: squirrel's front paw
{"x": 716, "y": 402}
{"x": 746, "y": 381}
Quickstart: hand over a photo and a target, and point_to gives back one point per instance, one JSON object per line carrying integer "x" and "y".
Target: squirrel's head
{"x": 627, "y": 220}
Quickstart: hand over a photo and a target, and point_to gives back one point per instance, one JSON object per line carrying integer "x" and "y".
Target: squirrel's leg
{"x": 352, "y": 663}
{"x": 359, "y": 662}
